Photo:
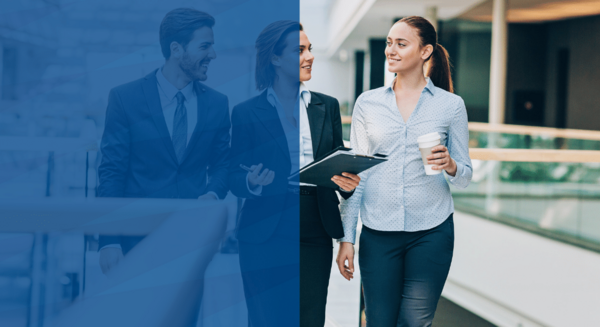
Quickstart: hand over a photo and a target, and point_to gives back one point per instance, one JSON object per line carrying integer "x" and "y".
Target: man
{"x": 166, "y": 135}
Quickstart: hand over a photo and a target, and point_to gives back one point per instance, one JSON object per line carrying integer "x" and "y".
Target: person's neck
{"x": 410, "y": 81}
{"x": 286, "y": 89}
{"x": 175, "y": 75}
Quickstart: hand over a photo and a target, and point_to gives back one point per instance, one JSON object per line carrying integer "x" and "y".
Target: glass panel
{"x": 519, "y": 141}
{"x": 523, "y": 141}
{"x": 559, "y": 200}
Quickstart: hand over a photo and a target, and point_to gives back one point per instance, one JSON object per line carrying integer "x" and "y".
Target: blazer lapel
{"x": 203, "y": 110}
{"x": 153, "y": 101}
{"x": 316, "y": 119}
{"x": 268, "y": 116}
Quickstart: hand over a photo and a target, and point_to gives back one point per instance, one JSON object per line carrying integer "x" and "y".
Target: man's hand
{"x": 441, "y": 157}
{"x": 348, "y": 183}
{"x": 346, "y": 252}
{"x": 265, "y": 178}
{"x": 207, "y": 196}
{"x": 109, "y": 258}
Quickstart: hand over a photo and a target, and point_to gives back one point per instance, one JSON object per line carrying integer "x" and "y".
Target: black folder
{"x": 336, "y": 162}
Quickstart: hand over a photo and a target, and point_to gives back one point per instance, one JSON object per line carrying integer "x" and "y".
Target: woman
{"x": 407, "y": 240}
{"x": 275, "y": 134}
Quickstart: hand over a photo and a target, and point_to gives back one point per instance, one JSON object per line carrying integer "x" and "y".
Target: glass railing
{"x": 49, "y": 236}
{"x": 528, "y": 137}
{"x": 519, "y": 141}
{"x": 543, "y": 180}
{"x": 556, "y": 199}
{"x": 520, "y": 137}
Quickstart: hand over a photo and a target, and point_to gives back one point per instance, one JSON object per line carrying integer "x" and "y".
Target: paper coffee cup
{"x": 426, "y": 143}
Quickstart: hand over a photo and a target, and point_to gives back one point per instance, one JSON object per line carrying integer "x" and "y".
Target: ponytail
{"x": 438, "y": 69}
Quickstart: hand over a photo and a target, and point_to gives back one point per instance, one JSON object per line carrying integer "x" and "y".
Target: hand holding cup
{"x": 434, "y": 155}
{"x": 440, "y": 157}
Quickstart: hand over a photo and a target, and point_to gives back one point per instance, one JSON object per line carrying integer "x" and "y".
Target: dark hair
{"x": 271, "y": 41}
{"x": 179, "y": 26}
{"x": 439, "y": 67}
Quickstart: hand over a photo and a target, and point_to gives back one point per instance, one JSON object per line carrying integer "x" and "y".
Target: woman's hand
{"x": 348, "y": 183}
{"x": 265, "y": 178}
{"x": 109, "y": 258}
{"x": 441, "y": 157}
{"x": 346, "y": 252}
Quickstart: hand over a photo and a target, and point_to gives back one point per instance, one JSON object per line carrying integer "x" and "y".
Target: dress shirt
{"x": 304, "y": 150}
{"x": 168, "y": 101}
{"x": 397, "y": 195}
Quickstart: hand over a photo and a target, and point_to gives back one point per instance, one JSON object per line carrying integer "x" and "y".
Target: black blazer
{"x": 258, "y": 137}
{"x": 138, "y": 158}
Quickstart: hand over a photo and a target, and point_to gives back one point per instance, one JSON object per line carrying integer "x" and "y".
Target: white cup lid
{"x": 429, "y": 137}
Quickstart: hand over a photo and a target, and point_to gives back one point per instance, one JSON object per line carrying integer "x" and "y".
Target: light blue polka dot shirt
{"x": 397, "y": 195}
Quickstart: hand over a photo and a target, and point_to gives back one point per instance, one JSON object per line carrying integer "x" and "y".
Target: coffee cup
{"x": 426, "y": 143}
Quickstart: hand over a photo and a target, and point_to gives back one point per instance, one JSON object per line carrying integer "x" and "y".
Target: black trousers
{"x": 316, "y": 256}
{"x": 403, "y": 274}
{"x": 270, "y": 272}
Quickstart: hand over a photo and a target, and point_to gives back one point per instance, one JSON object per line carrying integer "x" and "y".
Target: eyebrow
{"x": 389, "y": 38}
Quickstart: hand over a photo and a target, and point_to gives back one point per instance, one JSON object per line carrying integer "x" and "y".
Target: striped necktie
{"x": 180, "y": 127}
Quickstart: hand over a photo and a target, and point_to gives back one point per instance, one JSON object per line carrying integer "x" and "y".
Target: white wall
{"x": 333, "y": 77}
{"x": 330, "y": 75}
{"x": 514, "y": 278}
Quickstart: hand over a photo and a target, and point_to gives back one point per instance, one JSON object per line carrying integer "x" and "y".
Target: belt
{"x": 302, "y": 190}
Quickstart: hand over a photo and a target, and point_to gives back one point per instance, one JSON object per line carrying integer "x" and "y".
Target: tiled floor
{"x": 343, "y": 303}
{"x": 343, "y": 299}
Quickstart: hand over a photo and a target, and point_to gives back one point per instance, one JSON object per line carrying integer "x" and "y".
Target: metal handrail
{"x": 52, "y": 145}
{"x": 580, "y": 134}
{"x": 534, "y": 155}
{"x": 529, "y": 155}
{"x": 56, "y": 144}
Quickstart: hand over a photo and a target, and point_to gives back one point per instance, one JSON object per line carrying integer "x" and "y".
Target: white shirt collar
{"x": 304, "y": 92}
{"x": 429, "y": 87}
{"x": 170, "y": 90}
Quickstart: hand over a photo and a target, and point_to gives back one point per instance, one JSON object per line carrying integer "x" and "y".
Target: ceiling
{"x": 379, "y": 18}
{"x": 530, "y": 11}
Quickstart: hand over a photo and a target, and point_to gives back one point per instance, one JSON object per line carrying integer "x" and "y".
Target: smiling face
{"x": 306, "y": 58}
{"x": 286, "y": 62}
{"x": 194, "y": 58}
{"x": 404, "y": 51}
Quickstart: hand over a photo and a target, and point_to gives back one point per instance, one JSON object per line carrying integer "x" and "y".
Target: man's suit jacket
{"x": 258, "y": 137}
{"x": 138, "y": 157}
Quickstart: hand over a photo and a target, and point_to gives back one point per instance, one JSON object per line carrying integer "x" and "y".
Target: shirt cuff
{"x": 116, "y": 246}
{"x": 347, "y": 239}
{"x": 456, "y": 179}
{"x": 257, "y": 190}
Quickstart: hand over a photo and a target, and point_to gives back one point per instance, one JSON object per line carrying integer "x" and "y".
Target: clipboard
{"x": 336, "y": 162}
